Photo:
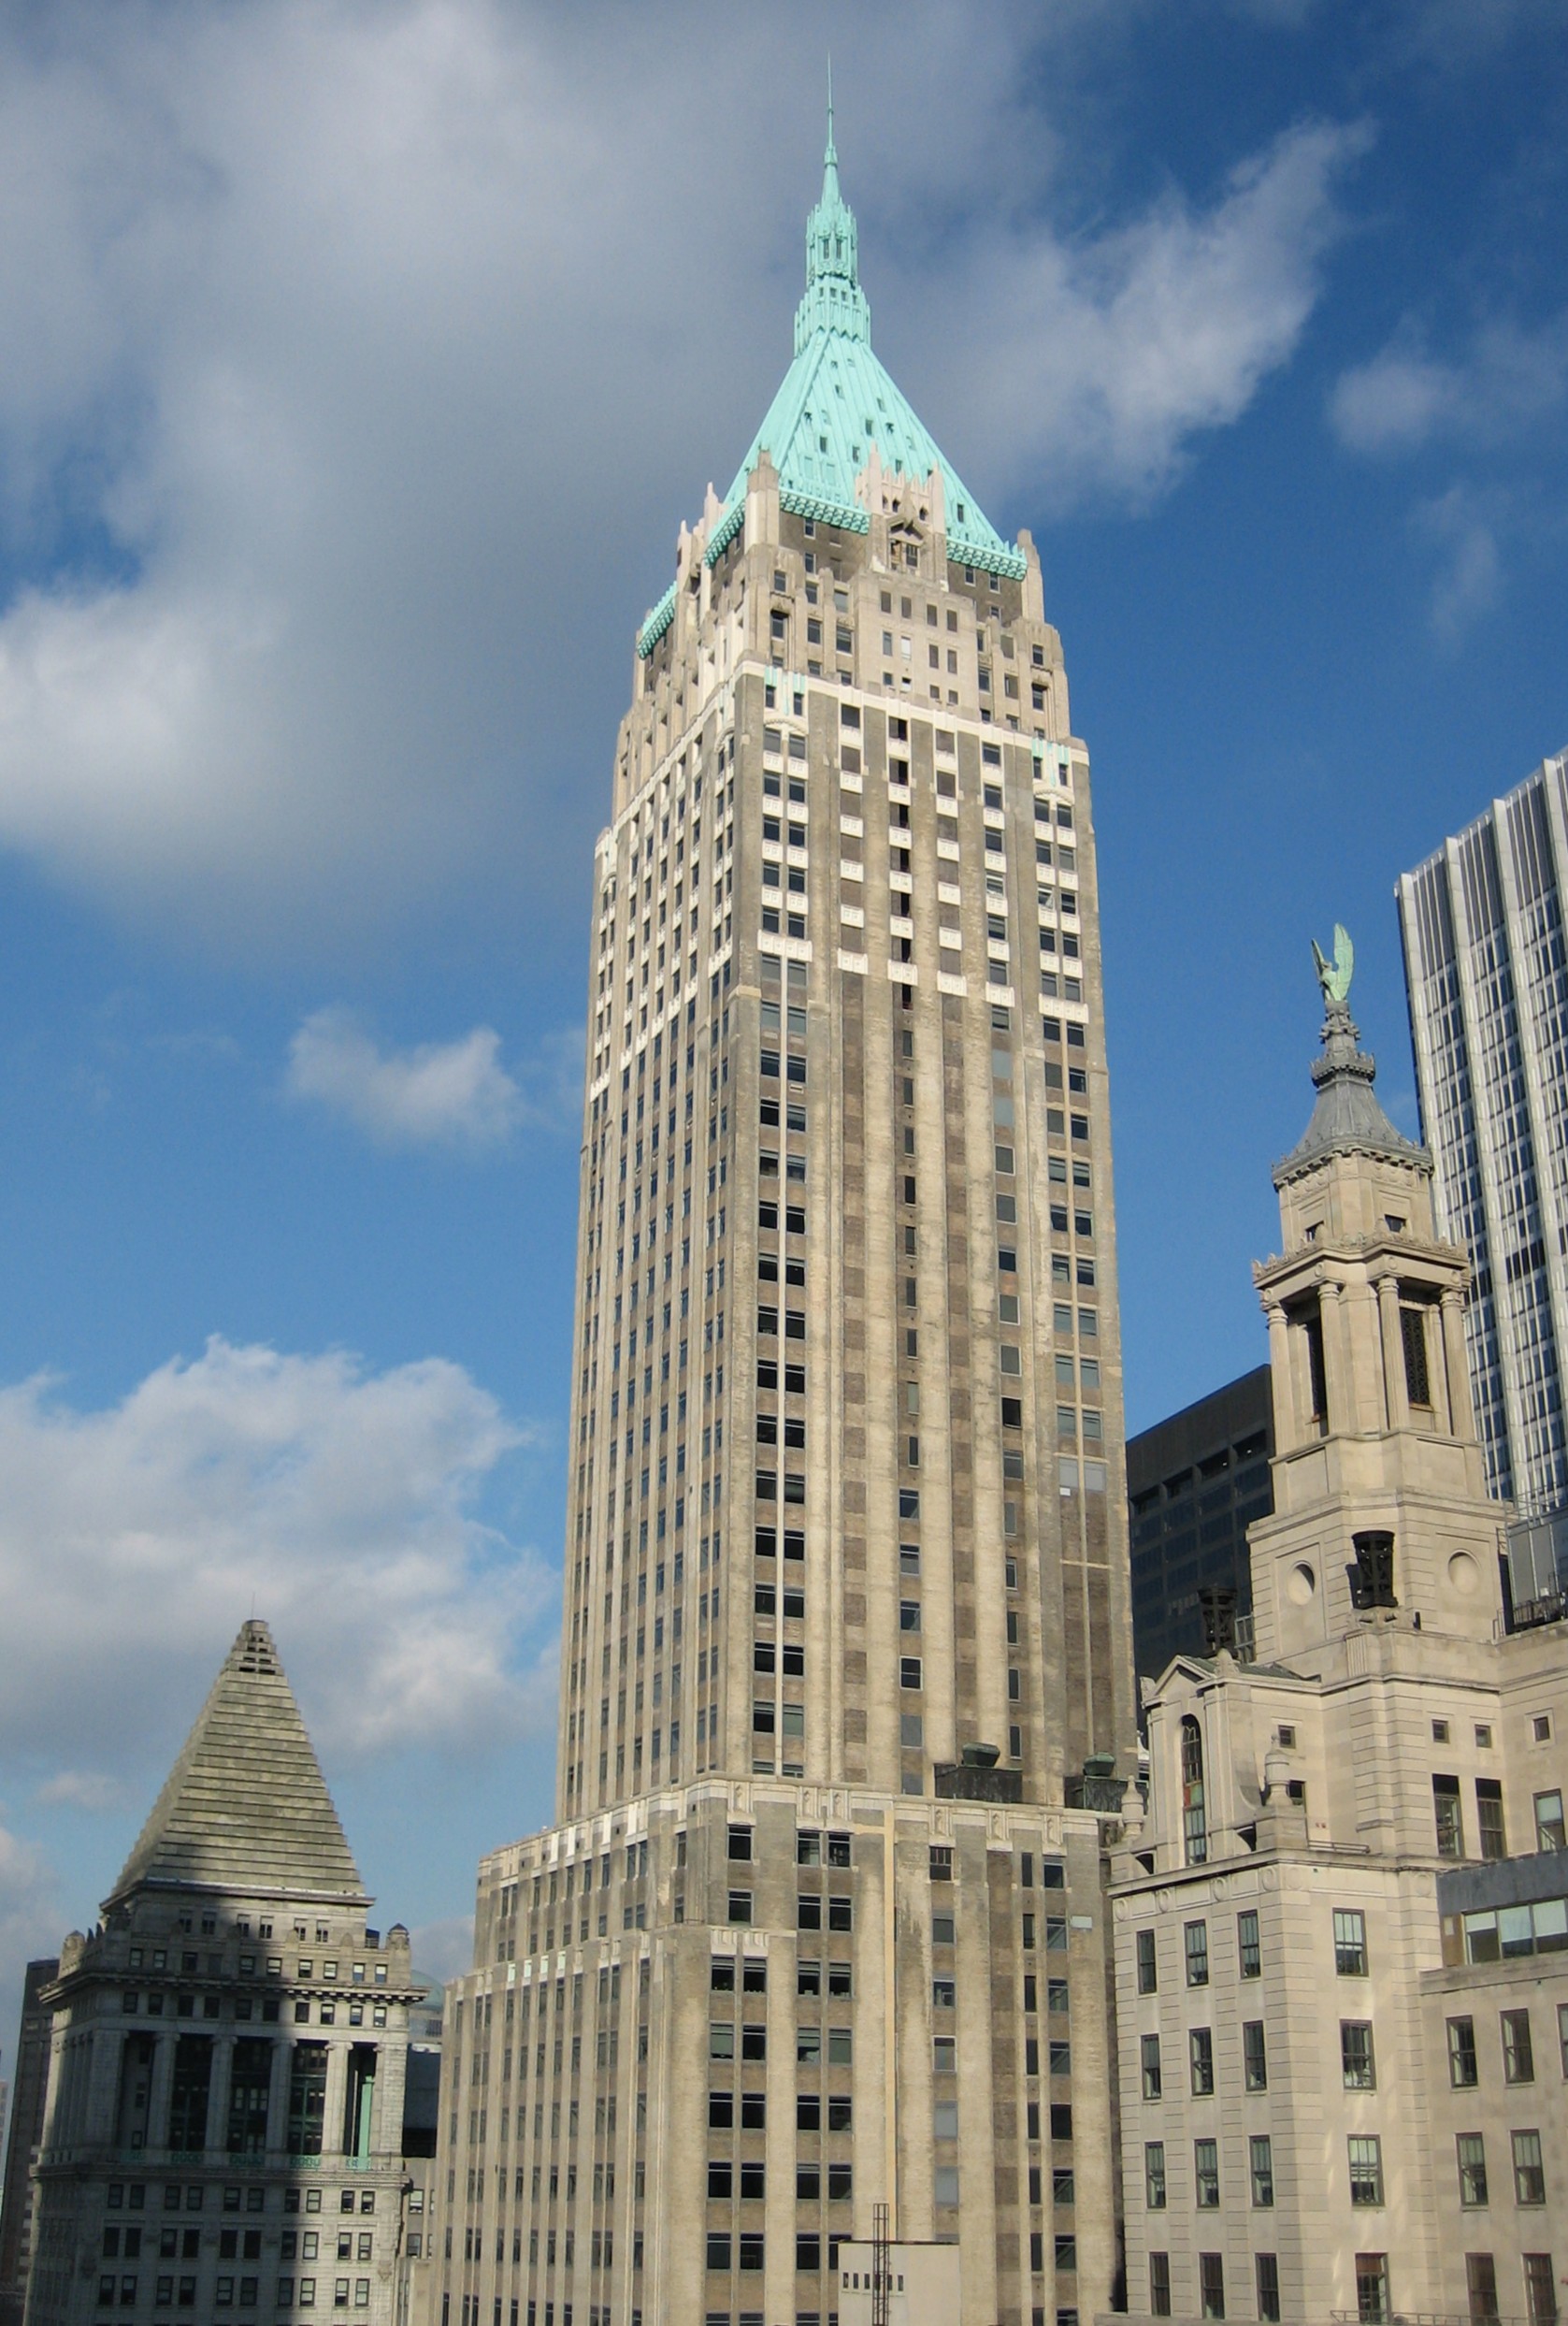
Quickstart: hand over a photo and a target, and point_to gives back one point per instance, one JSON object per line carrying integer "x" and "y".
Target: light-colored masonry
{"x": 846, "y": 1669}
{"x": 1342, "y": 1935}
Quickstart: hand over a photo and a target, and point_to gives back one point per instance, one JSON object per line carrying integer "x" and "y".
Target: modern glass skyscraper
{"x": 846, "y": 1658}
{"x": 1487, "y": 982}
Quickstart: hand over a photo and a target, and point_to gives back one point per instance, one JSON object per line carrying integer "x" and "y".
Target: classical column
{"x": 1336, "y": 1387}
{"x": 159, "y": 2087}
{"x": 336, "y": 2096}
{"x": 1394, "y": 1388}
{"x": 218, "y": 2095}
{"x": 1456, "y": 1368}
{"x": 1286, "y": 1434}
{"x": 278, "y": 2099}
{"x": 99, "y": 2120}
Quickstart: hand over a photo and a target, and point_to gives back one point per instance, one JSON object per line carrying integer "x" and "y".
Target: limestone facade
{"x": 224, "y": 2127}
{"x": 1291, "y": 1941}
{"x": 846, "y": 1572}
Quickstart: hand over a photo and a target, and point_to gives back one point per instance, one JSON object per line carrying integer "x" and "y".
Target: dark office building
{"x": 31, "y": 2084}
{"x": 1196, "y": 1482}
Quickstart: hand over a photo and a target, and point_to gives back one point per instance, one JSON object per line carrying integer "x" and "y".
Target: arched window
{"x": 1195, "y": 1827}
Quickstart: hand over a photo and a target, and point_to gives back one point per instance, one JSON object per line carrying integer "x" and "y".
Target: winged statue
{"x": 1334, "y": 976}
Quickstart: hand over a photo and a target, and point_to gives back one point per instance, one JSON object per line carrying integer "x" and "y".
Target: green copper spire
{"x": 834, "y": 300}
{"x": 834, "y": 405}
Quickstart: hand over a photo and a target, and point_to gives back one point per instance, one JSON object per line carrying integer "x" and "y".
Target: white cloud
{"x": 30, "y": 1921}
{"x": 1469, "y": 569}
{"x": 91, "y": 1790}
{"x": 1104, "y": 362}
{"x": 361, "y": 363}
{"x": 442, "y": 1093}
{"x": 339, "y": 1503}
{"x": 1505, "y": 382}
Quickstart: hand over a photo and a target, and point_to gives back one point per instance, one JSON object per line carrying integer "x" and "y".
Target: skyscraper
{"x": 1487, "y": 983}
{"x": 846, "y": 1626}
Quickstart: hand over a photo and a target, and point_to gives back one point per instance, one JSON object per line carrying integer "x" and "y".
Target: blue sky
{"x": 362, "y": 364}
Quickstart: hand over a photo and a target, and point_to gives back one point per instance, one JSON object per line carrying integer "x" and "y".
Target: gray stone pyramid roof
{"x": 1348, "y": 1118}
{"x": 245, "y": 1808}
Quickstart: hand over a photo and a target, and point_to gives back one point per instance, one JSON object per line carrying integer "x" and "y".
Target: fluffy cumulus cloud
{"x": 362, "y": 361}
{"x": 1503, "y": 382}
{"x": 442, "y": 1093}
{"x": 341, "y": 1504}
{"x": 30, "y": 1921}
{"x": 1105, "y": 362}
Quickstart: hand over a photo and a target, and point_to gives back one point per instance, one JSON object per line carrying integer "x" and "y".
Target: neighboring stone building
{"x": 223, "y": 2129}
{"x": 1194, "y": 1483}
{"x": 1482, "y": 923}
{"x": 846, "y": 1642}
{"x": 30, "y": 2087}
{"x": 1291, "y": 1955}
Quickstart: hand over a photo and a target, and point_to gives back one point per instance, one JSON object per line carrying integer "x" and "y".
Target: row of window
{"x": 810, "y": 2049}
{"x": 1518, "y": 2048}
{"x": 1249, "y": 1953}
{"x": 749, "y": 2181}
{"x": 179, "y": 2196}
{"x": 1529, "y": 2177}
{"x": 231, "y": 2292}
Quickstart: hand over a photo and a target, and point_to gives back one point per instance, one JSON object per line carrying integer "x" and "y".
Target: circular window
{"x": 1301, "y": 1585}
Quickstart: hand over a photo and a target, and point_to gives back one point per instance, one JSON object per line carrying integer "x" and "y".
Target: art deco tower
{"x": 846, "y": 1622}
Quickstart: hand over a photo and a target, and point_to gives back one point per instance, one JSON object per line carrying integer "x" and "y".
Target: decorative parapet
{"x": 655, "y": 622}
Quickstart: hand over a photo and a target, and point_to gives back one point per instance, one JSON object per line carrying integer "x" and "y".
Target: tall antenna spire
{"x": 834, "y": 300}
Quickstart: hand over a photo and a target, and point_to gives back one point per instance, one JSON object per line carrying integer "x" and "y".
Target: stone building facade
{"x": 30, "y": 2089}
{"x": 846, "y": 1657}
{"x": 223, "y": 2128}
{"x": 1313, "y": 1995}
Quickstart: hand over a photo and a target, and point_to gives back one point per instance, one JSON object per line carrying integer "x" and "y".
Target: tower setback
{"x": 846, "y": 1673}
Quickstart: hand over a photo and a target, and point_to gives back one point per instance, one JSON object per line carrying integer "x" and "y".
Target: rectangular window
{"x": 1205, "y": 2172}
{"x": 1365, "y": 2152}
{"x": 1350, "y": 1943}
{"x": 1159, "y": 2285}
{"x": 1357, "y": 2062}
{"x": 1266, "y": 2272}
{"x": 1461, "y": 2054}
{"x": 1201, "y": 2058}
{"x": 1518, "y": 2053}
{"x": 1197, "y": 1941}
{"x": 1480, "y": 2275}
{"x": 1551, "y": 1833}
{"x": 1447, "y": 1817}
{"x": 1471, "y": 2151}
{"x": 1529, "y": 2178}
{"x": 1540, "y": 2289}
{"x": 1149, "y": 2054}
{"x": 1149, "y": 1979}
{"x": 1248, "y": 1952}
{"x": 1490, "y": 1832}
{"x": 1413, "y": 1333}
{"x": 1255, "y": 2056}
{"x": 1211, "y": 2284}
{"x": 1262, "y": 2158}
{"x": 1154, "y": 2175}
{"x": 1372, "y": 2288}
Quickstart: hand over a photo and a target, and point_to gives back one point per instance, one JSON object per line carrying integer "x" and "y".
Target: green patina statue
{"x": 1334, "y": 976}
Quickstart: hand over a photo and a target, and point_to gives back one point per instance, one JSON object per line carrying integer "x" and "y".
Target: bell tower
{"x": 1381, "y": 1518}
